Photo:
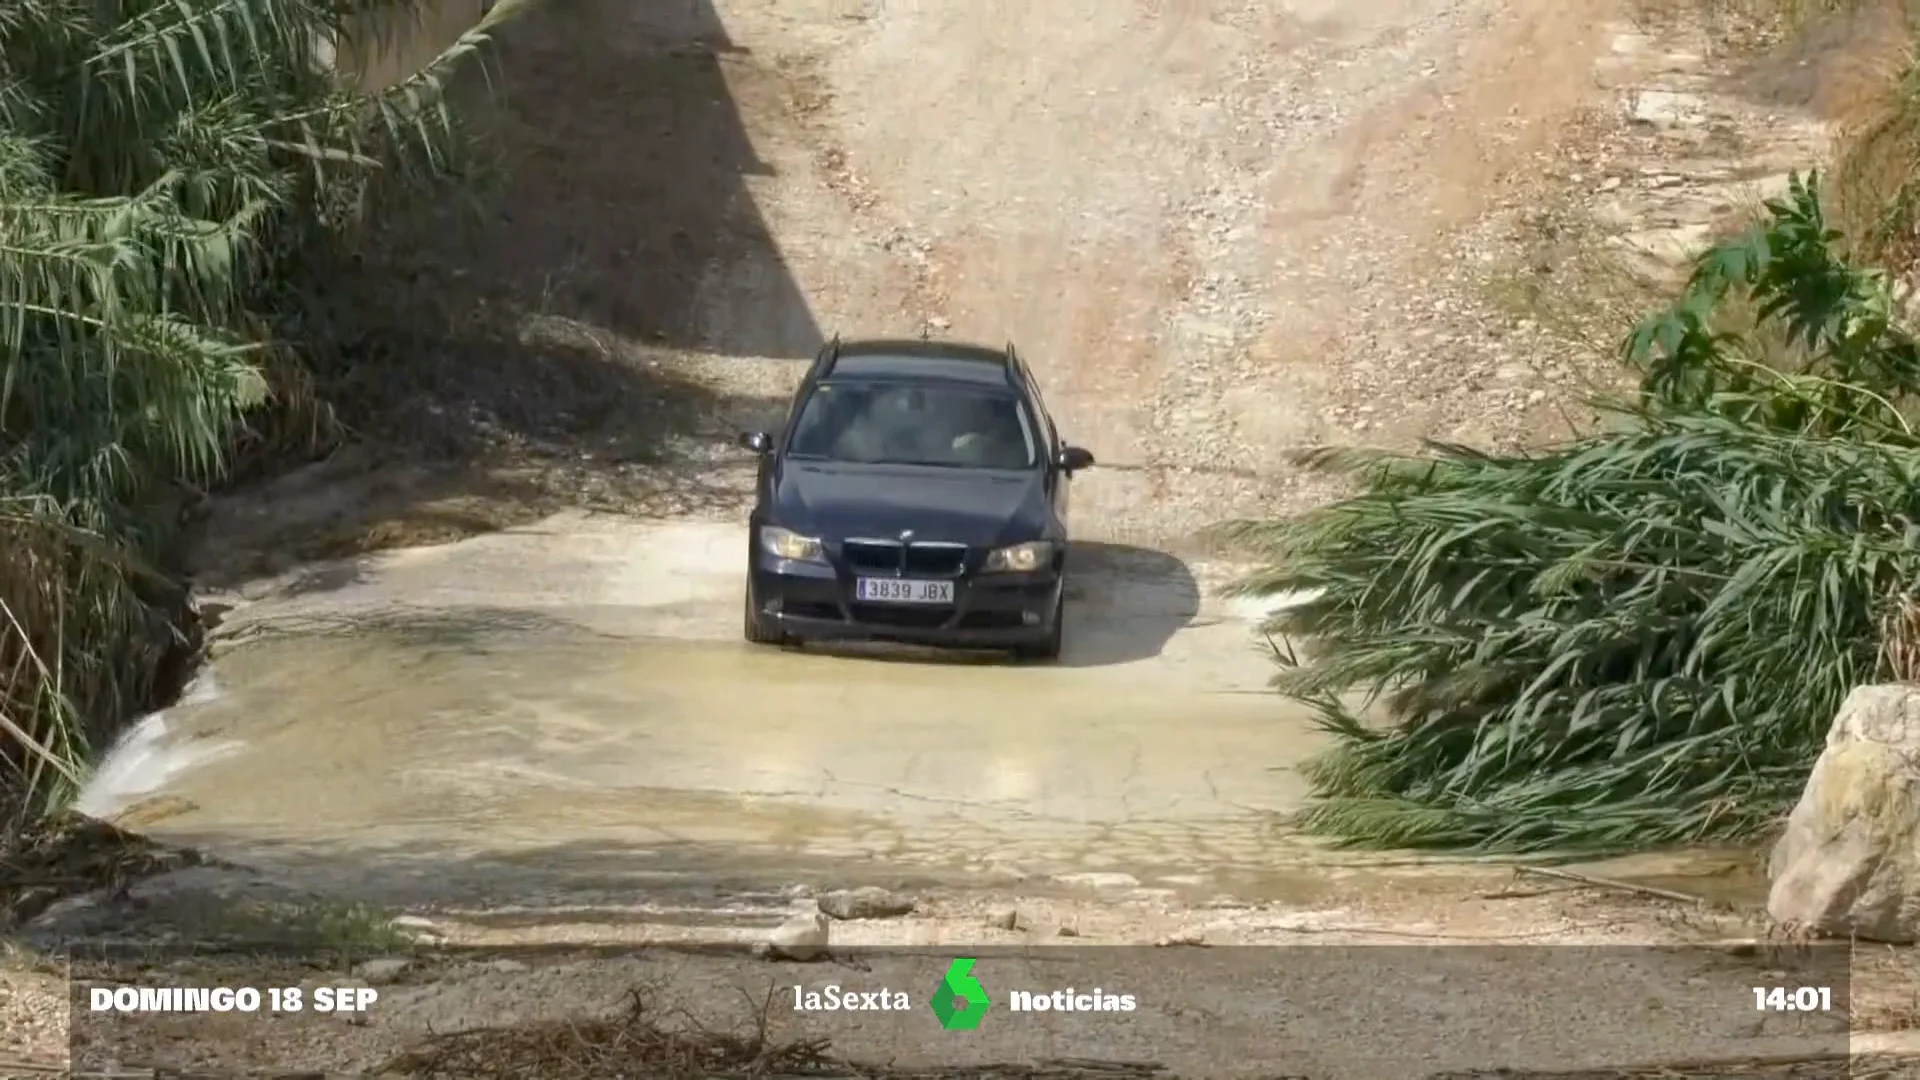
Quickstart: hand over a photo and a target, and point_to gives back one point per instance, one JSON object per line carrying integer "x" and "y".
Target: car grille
{"x": 891, "y": 557}
{"x": 942, "y": 559}
{"x": 881, "y": 556}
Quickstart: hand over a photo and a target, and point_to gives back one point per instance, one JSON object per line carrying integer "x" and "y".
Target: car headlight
{"x": 1020, "y": 558}
{"x": 787, "y": 544}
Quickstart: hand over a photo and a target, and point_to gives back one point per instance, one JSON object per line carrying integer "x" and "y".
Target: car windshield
{"x": 944, "y": 426}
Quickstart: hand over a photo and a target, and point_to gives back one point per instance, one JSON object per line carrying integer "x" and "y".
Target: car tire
{"x": 756, "y": 630}
{"x": 1048, "y": 651}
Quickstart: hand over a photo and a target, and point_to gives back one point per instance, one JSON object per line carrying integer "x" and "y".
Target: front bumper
{"x": 989, "y": 611}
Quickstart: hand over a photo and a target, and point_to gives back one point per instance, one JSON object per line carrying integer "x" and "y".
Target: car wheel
{"x": 756, "y": 629}
{"x": 1049, "y": 650}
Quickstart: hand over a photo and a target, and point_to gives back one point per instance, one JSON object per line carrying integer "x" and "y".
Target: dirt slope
{"x": 1215, "y": 227}
{"x": 1182, "y": 209}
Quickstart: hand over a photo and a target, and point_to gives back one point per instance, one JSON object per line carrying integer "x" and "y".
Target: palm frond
{"x": 163, "y": 164}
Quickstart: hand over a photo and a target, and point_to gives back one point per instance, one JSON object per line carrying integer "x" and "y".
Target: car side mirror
{"x": 757, "y": 441}
{"x": 1073, "y": 459}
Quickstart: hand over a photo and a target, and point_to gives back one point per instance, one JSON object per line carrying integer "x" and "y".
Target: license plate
{"x": 903, "y": 591}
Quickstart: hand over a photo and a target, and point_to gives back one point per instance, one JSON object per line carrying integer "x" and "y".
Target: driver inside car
{"x": 994, "y": 439}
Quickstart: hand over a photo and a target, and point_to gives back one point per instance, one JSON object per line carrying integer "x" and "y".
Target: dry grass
{"x": 33, "y": 566}
{"x": 1900, "y": 640}
{"x": 642, "y": 1042}
{"x": 639, "y": 1041}
{"x": 1867, "y": 86}
{"x": 1876, "y": 186}
{"x": 58, "y": 583}
{"x": 46, "y": 859}
{"x": 1886, "y": 989}
{"x": 645, "y": 1041}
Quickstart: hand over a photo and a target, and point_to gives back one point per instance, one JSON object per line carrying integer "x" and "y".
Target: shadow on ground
{"x": 1124, "y": 603}
{"x": 1835, "y": 66}
{"x": 475, "y": 434}
{"x": 622, "y": 200}
{"x": 527, "y": 350}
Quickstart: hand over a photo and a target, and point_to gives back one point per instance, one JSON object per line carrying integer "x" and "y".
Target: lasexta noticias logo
{"x": 961, "y": 1002}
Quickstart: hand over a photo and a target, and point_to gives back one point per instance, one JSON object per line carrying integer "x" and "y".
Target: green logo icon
{"x": 961, "y": 1002}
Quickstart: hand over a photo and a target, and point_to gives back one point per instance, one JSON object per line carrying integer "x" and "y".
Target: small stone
{"x": 420, "y": 930}
{"x": 1185, "y": 937}
{"x": 866, "y": 902}
{"x": 385, "y": 969}
{"x": 1100, "y": 880}
{"x": 1006, "y": 919}
{"x": 507, "y": 967}
{"x": 1667, "y": 108}
{"x": 1067, "y": 931}
{"x": 803, "y": 937}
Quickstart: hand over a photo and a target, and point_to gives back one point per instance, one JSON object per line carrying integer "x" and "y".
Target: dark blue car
{"x": 917, "y": 494}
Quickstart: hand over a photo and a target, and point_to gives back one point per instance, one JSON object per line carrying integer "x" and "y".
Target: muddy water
{"x": 394, "y": 755}
{"x": 565, "y": 715}
{"x": 568, "y": 710}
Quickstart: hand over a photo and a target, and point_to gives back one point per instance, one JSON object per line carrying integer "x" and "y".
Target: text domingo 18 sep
{"x": 223, "y": 999}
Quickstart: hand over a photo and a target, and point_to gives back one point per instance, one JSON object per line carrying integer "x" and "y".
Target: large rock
{"x": 1849, "y": 863}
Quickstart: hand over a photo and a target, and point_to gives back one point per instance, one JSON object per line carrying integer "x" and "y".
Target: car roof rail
{"x": 1016, "y": 368}
{"x": 829, "y": 354}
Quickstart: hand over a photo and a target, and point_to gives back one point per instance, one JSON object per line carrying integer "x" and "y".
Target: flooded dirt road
{"x": 1174, "y": 208}
{"x": 1202, "y": 222}
{"x": 493, "y": 736}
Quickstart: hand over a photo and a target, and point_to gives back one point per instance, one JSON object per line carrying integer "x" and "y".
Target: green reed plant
{"x": 1640, "y": 637}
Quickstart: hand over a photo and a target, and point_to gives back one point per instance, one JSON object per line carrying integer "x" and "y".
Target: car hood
{"x": 978, "y": 508}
